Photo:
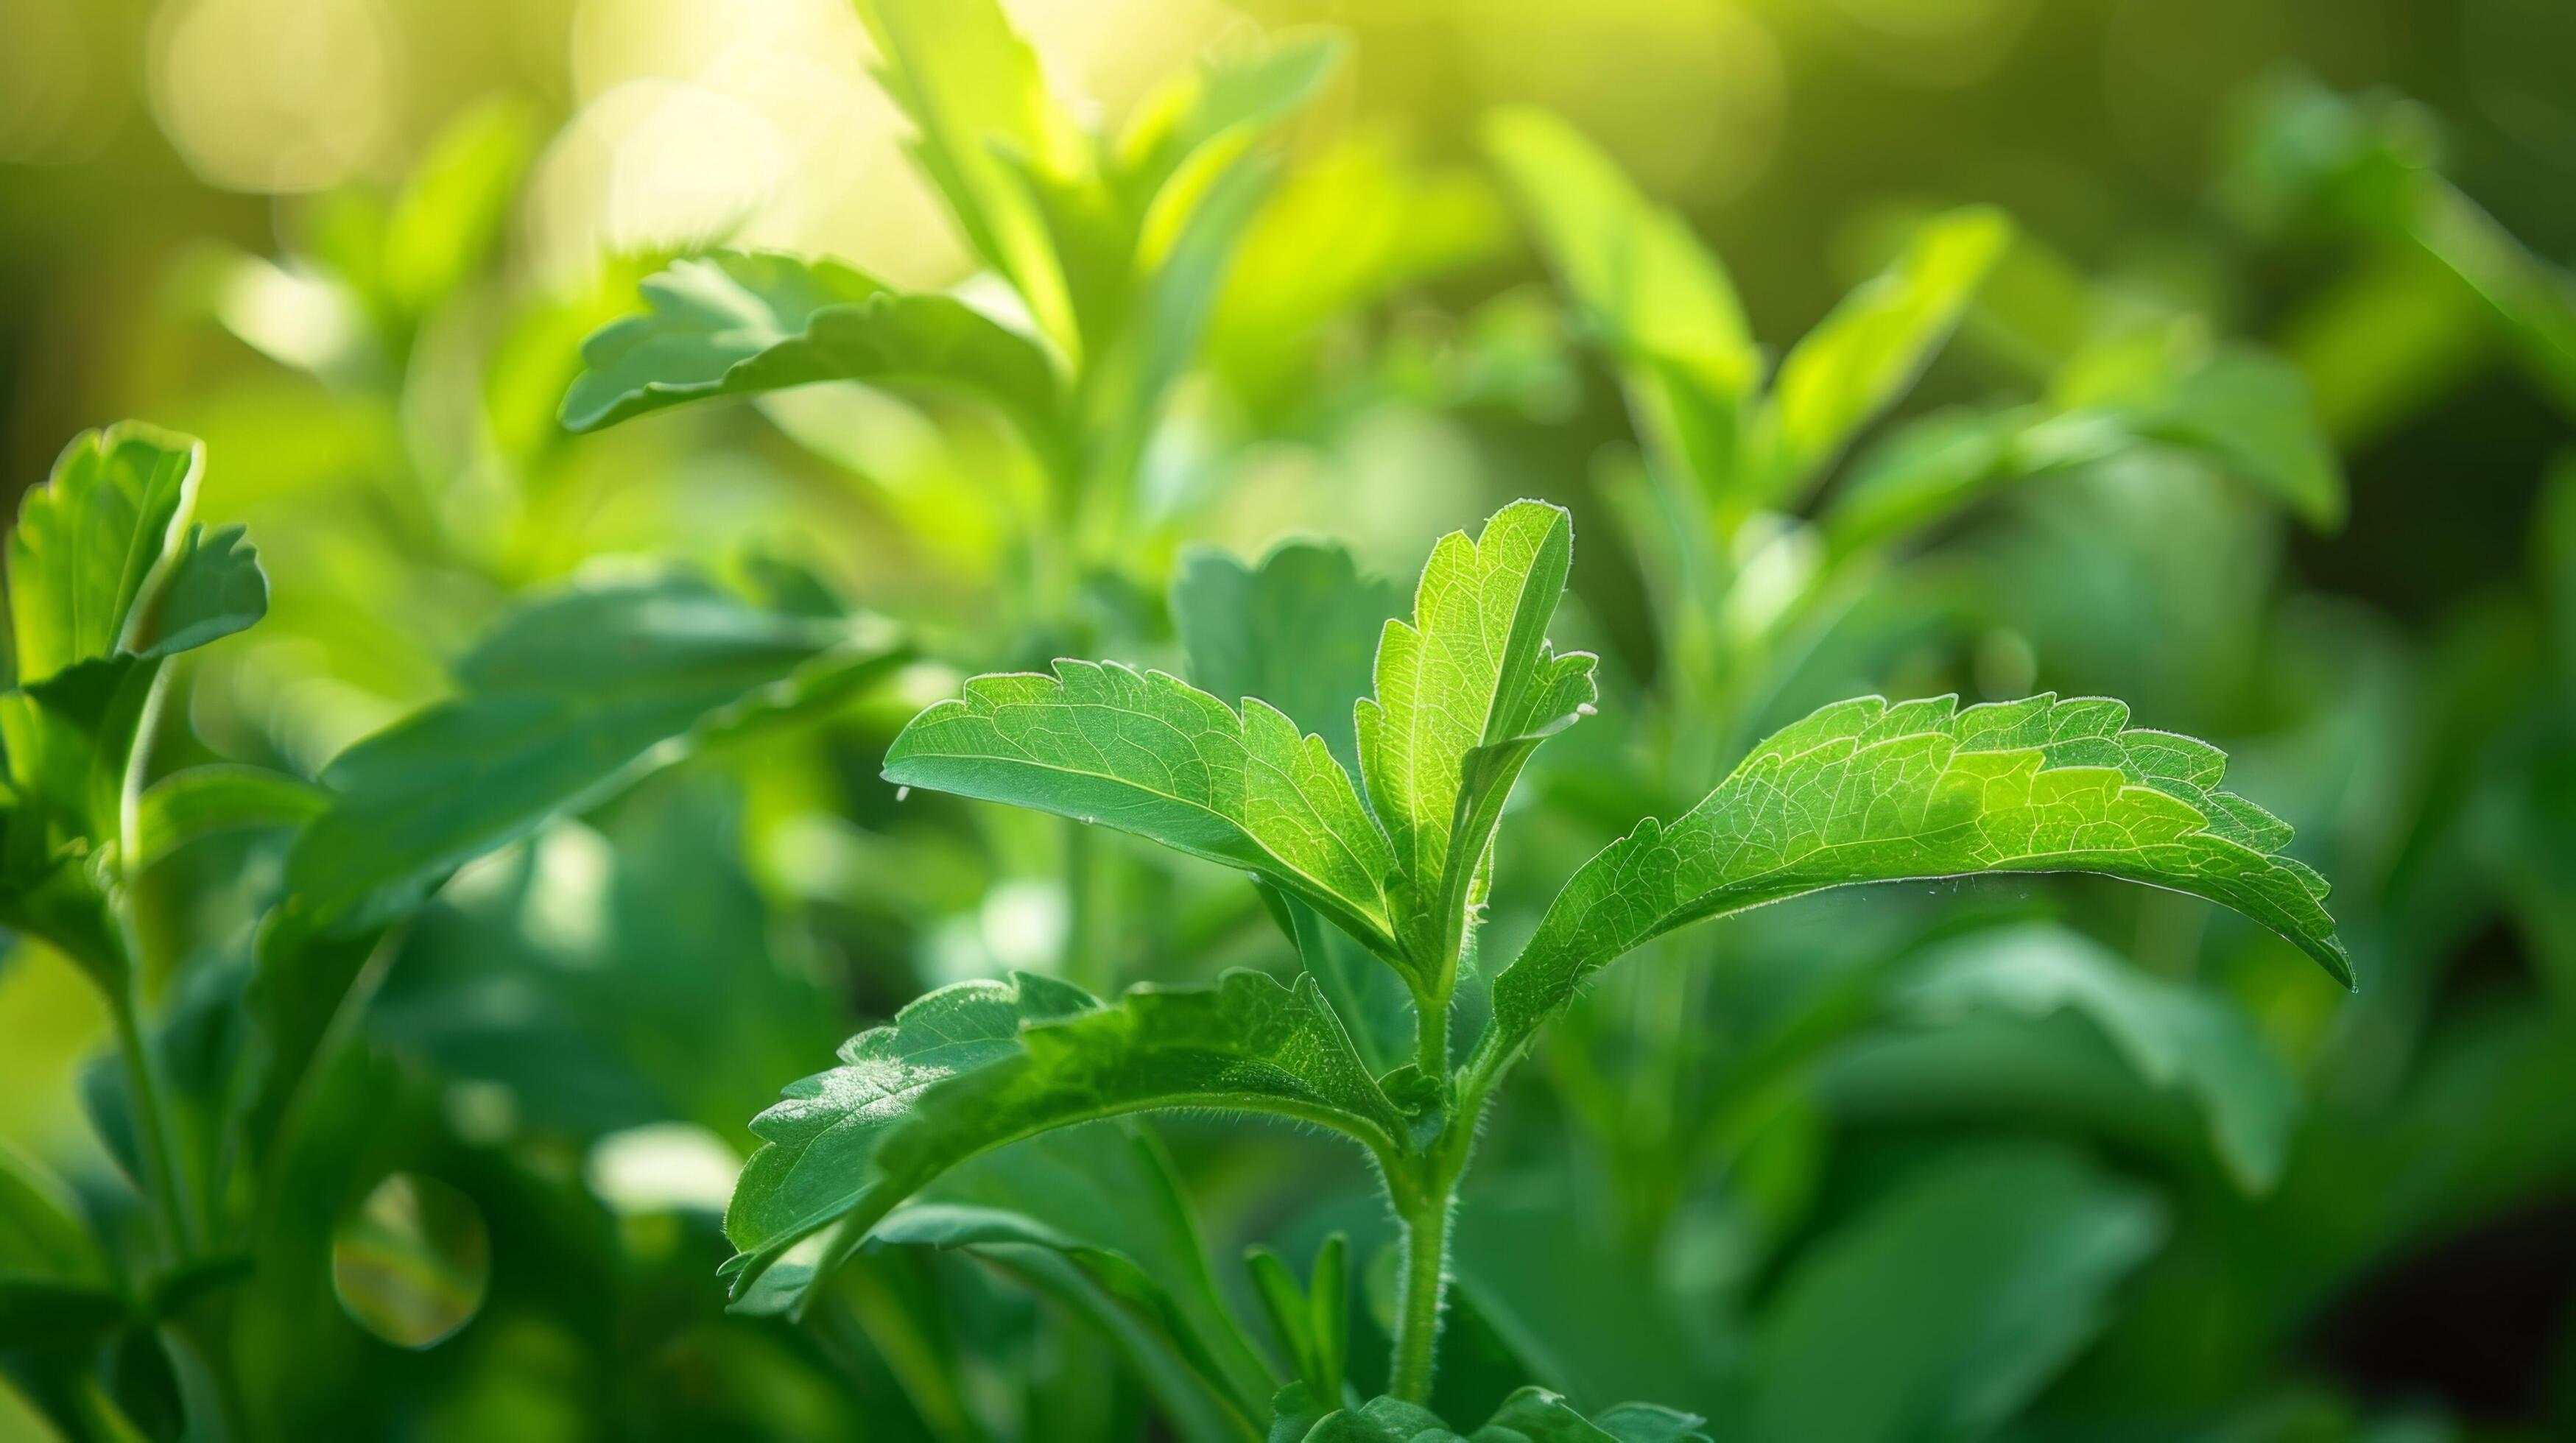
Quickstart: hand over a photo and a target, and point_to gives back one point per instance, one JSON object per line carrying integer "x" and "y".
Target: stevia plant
{"x": 1396, "y": 854}
{"x": 236, "y": 1104}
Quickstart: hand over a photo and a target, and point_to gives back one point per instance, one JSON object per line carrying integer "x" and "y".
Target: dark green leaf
{"x": 569, "y": 700}
{"x": 1532, "y": 1415}
{"x": 977, "y": 1065}
{"x": 736, "y": 324}
{"x": 2176, "y": 1036}
{"x": 1943, "y": 1309}
{"x": 1866, "y": 791}
{"x": 1299, "y": 631}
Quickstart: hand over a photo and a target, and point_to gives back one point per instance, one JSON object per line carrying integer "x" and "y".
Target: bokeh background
{"x": 183, "y": 185}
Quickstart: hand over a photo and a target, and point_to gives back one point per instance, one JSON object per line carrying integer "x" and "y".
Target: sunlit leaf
{"x": 738, "y": 323}
{"x": 1869, "y": 350}
{"x": 1464, "y": 693}
{"x": 1644, "y": 282}
{"x": 974, "y": 88}
{"x": 452, "y": 208}
{"x": 1146, "y": 753}
{"x": 1250, "y": 92}
{"x": 1866, "y": 791}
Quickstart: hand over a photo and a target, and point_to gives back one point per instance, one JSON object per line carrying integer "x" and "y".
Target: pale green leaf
{"x": 91, "y": 539}
{"x": 222, "y": 797}
{"x": 1865, "y": 791}
{"x": 454, "y": 204}
{"x": 974, "y": 1066}
{"x": 1298, "y": 631}
{"x": 2176, "y": 1036}
{"x": 974, "y": 88}
{"x": 1647, "y": 286}
{"x": 1866, "y": 353}
{"x": 738, "y": 323}
{"x": 1251, "y": 92}
{"x": 1146, "y": 753}
{"x": 1464, "y": 692}
{"x": 1940, "y": 1311}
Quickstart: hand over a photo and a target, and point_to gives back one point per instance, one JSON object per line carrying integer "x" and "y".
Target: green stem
{"x": 1423, "y": 1292}
{"x": 171, "y": 1217}
{"x": 1431, "y": 1036}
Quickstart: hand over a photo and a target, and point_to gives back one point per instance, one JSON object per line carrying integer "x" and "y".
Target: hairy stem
{"x": 1423, "y": 1292}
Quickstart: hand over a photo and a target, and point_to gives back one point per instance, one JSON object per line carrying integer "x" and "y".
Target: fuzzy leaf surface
{"x": 739, "y": 323}
{"x": 1147, "y": 753}
{"x": 1865, "y": 791}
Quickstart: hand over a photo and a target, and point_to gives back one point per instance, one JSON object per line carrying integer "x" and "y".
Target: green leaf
{"x": 1868, "y": 351}
{"x": 2176, "y": 1036}
{"x": 91, "y": 539}
{"x": 55, "y": 1289}
{"x": 1938, "y": 1313}
{"x": 1146, "y": 753}
{"x": 1531, "y": 1415}
{"x": 1866, "y": 791}
{"x": 1464, "y": 694}
{"x": 570, "y": 699}
{"x": 973, "y": 1066}
{"x": 213, "y": 588}
{"x": 203, "y": 801}
{"x": 2247, "y": 411}
{"x": 456, "y": 201}
{"x": 1007, "y": 1237}
{"x": 974, "y": 88}
{"x": 1648, "y": 288}
{"x": 738, "y": 323}
{"x": 1217, "y": 98}
{"x": 1298, "y": 631}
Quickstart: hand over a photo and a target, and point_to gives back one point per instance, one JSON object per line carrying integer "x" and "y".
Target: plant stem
{"x": 1424, "y": 1287}
{"x": 152, "y": 1135}
{"x": 1431, "y": 1036}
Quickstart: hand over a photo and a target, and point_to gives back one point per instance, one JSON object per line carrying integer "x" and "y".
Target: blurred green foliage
{"x": 393, "y": 983}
